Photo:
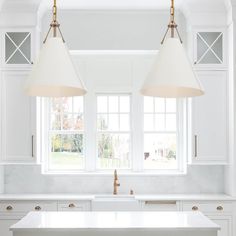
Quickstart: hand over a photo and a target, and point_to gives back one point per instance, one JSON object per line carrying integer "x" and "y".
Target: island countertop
{"x": 105, "y": 221}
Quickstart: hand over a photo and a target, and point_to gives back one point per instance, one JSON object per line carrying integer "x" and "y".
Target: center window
{"x": 113, "y": 132}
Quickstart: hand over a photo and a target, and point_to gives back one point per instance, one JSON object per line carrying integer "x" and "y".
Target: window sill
{"x": 120, "y": 173}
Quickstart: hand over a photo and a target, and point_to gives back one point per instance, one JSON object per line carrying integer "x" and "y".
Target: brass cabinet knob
{"x": 72, "y": 205}
{"x": 9, "y": 208}
{"x": 37, "y": 208}
{"x": 195, "y": 208}
{"x": 219, "y": 208}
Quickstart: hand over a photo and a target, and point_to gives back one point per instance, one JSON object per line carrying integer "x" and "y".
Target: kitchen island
{"x": 115, "y": 224}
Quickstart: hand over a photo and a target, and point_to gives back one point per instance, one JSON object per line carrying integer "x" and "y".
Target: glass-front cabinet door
{"x": 209, "y": 49}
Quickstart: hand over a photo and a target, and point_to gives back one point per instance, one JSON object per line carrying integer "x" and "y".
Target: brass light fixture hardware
{"x": 172, "y": 26}
{"x": 54, "y": 24}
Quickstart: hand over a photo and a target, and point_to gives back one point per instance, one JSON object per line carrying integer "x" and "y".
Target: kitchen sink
{"x": 109, "y": 202}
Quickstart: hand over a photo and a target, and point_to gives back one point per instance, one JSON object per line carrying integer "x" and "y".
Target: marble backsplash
{"x": 28, "y": 179}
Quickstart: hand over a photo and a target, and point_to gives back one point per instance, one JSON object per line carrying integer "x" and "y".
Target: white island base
{"x": 115, "y": 224}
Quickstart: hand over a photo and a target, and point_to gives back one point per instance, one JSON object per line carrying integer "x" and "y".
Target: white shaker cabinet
{"x": 208, "y": 132}
{"x": 17, "y": 119}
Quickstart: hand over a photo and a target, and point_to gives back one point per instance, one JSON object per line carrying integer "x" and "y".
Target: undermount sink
{"x": 114, "y": 197}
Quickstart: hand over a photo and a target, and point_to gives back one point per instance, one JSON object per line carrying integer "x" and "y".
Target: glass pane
{"x": 113, "y": 122}
{"x": 160, "y": 122}
{"x": 209, "y": 37}
{"x": 210, "y": 58}
{"x": 67, "y": 122}
{"x": 56, "y": 105}
{"x": 171, "y": 105}
{"x": 9, "y": 48}
{"x": 159, "y": 105}
{"x": 66, "y": 152}
{"x": 124, "y": 104}
{"x": 114, "y": 151}
{"x": 171, "y": 122}
{"x": 78, "y": 122}
{"x": 124, "y": 122}
{"x": 148, "y": 105}
{"x": 56, "y": 121}
{"x": 26, "y": 48}
{"x": 201, "y": 48}
{"x": 17, "y": 37}
{"x": 67, "y": 104}
{"x": 148, "y": 122}
{"x": 17, "y": 58}
{"x": 160, "y": 151}
{"x": 102, "y": 123}
{"x": 78, "y": 105}
{"x": 218, "y": 47}
{"x": 113, "y": 104}
{"x": 102, "y": 104}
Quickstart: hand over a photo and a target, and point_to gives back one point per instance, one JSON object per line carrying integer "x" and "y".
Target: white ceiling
{"x": 198, "y": 5}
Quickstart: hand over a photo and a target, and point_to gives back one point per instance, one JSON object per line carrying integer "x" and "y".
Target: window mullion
{"x": 137, "y": 131}
{"x": 90, "y": 131}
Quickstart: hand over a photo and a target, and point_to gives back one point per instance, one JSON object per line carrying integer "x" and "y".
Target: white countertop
{"x": 144, "y": 197}
{"x": 54, "y": 221}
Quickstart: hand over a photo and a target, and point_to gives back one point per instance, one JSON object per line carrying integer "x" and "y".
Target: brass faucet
{"x": 116, "y": 183}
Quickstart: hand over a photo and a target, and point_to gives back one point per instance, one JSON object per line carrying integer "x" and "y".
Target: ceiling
{"x": 197, "y": 5}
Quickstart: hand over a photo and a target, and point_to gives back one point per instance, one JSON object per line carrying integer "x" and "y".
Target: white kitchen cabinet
{"x": 221, "y": 212}
{"x": 225, "y": 223}
{"x": 5, "y": 225}
{"x": 208, "y": 121}
{"x": 18, "y": 115}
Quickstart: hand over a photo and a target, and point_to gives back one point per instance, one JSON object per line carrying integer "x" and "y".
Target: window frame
{"x": 136, "y": 137}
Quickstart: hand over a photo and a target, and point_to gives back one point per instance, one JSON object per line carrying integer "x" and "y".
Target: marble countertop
{"x": 144, "y": 197}
{"x": 54, "y": 221}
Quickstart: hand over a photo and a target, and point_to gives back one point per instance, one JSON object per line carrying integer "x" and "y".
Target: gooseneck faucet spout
{"x": 116, "y": 183}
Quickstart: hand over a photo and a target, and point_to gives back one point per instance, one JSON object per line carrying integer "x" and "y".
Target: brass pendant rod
{"x": 172, "y": 26}
{"x": 54, "y": 24}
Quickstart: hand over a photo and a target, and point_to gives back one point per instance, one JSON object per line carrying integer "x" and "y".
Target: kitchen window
{"x": 160, "y": 133}
{"x": 66, "y": 134}
{"x": 107, "y": 131}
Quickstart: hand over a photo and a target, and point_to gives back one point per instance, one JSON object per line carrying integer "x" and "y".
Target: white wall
{"x": 1, "y": 179}
{"x": 113, "y": 30}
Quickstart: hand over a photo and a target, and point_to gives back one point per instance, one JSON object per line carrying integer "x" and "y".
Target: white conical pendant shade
{"x": 54, "y": 74}
{"x": 172, "y": 74}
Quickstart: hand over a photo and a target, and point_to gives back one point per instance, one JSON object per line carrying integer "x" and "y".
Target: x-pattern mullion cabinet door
{"x": 18, "y": 48}
{"x": 210, "y": 48}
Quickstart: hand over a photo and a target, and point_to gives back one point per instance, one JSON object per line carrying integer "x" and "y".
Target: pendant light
{"x": 172, "y": 74}
{"x": 54, "y": 74}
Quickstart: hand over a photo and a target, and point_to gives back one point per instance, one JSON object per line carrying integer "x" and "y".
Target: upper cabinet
{"x": 209, "y": 49}
{"x": 18, "y": 128}
{"x": 208, "y": 131}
